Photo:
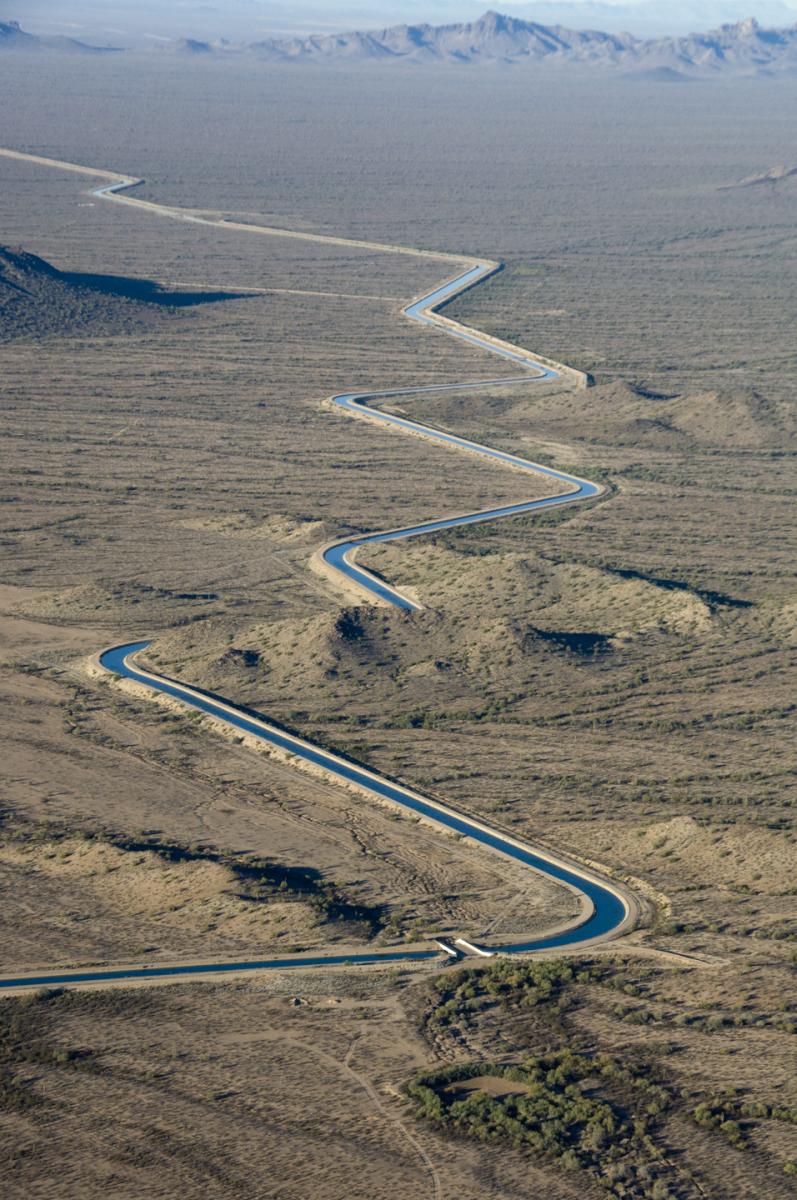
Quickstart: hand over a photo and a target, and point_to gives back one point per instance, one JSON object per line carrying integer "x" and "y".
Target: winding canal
{"x": 607, "y": 908}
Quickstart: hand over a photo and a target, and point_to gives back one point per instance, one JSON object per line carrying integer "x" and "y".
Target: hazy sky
{"x": 117, "y": 20}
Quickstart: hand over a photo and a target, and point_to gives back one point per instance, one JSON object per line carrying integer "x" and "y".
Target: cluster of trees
{"x": 458, "y": 995}
{"x": 586, "y": 1112}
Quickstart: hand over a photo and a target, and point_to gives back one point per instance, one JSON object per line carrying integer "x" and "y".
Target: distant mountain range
{"x": 12, "y": 37}
{"x": 743, "y": 48}
{"x": 500, "y": 39}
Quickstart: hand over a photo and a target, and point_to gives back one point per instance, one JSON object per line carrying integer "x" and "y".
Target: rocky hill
{"x": 38, "y": 300}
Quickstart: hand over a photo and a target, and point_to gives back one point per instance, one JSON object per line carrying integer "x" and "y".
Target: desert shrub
{"x": 25, "y": 1042}
{"x": 726, "y": 1115}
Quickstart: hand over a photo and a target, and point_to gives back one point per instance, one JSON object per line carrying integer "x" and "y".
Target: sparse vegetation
{"x": 28, "y": 1043}
{"x": 608, "y": 1113}
{"x": 248, "y": 878}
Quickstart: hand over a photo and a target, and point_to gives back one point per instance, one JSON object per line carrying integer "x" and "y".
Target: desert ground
{"x": 616, "y": 681}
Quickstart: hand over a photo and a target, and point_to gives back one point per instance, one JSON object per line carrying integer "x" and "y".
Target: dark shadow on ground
{"x": 586, "y": 644}
{"x": 713, "y": 599}
{"x": 147, "y": 290}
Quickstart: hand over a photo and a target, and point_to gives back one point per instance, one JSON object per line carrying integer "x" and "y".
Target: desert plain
{"x": 616, "y": 680}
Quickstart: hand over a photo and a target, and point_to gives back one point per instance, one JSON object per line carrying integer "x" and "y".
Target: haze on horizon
{"x": 130, "y": 21}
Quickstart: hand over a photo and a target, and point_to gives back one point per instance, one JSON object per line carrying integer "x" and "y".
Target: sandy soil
{"x": 204, "y": 1121}
{"x": 124, "y": 765}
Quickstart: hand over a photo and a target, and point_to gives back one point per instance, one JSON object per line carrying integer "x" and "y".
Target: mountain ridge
{"x": 495, "y": 38}
{"x": 745, "y": 48}
{"x": 13, "y": 37}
